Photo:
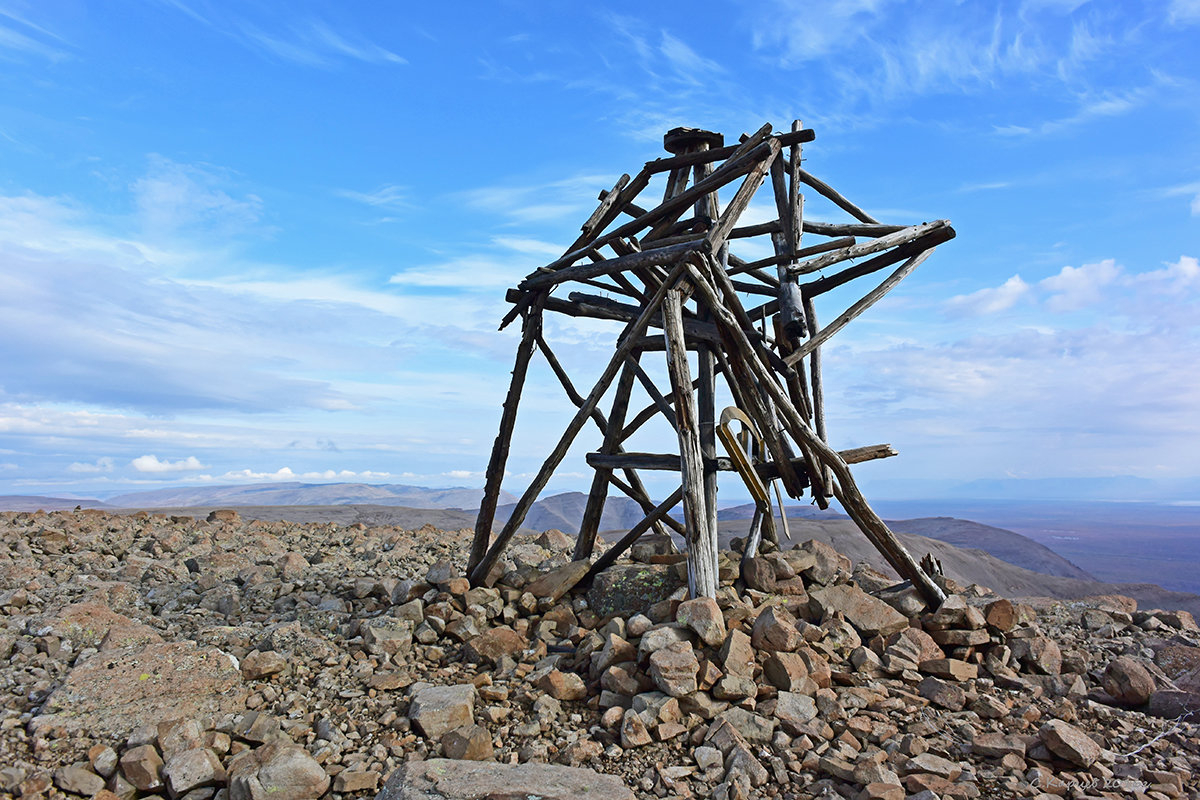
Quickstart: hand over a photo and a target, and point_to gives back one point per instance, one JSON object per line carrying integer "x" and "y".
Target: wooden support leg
{"x": 702, "y": 540}
{"x": 530, "y": 332}
{"x": 599, "y": 491}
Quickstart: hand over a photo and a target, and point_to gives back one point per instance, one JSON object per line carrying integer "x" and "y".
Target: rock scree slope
{"x": 166, "y": 656}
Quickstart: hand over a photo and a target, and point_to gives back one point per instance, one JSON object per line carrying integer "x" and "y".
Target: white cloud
{"x": 151, "y": 463}
{"x": 990, "y": 300}
{"x": 288, "y": 474}
{"x": 1175, "y": 278}
{"x": 104, "y": 464}
{"x": 174, "y": 197}
{"x": 1076, "y": 287}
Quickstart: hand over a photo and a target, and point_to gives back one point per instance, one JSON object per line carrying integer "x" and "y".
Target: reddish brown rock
{"x": 703, "y": 615}
{"x": 870, "y": 616}
{"x": 494, "y": 643}
{"x": 108, "y": 695}
{"x": 1069, "y": 743}
{"x": 1128, "y": 682}
{"x": 281, "y": 771}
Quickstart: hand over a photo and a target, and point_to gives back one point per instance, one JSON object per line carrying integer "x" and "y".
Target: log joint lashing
{"x": 671, "y": 264}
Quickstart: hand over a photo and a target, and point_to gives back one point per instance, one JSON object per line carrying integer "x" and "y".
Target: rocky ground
{"x": 165, "y": 656}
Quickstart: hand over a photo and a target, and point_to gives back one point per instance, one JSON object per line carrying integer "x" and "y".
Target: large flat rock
{"x": 446, "y": 779}
{"x": 114, "y": 691}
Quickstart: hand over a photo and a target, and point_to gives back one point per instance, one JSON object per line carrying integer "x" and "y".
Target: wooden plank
{"x": 494, "y": 476}
{"x": 745, "y": 193}
{"x": 702, "y": 540}
{"x": 848, "y": 228}
{"x": 820, "y": 479}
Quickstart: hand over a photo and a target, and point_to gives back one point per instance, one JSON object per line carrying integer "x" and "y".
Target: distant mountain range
{"x": 1096, "y": 536}
{"x": 271, "y": 494}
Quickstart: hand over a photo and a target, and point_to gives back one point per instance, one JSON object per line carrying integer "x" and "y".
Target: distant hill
{"x": 565, "y": 512}
{"x": 1004, "y": 545}
{"x": 28, "y": 502}
{"x": 306, "y": 494}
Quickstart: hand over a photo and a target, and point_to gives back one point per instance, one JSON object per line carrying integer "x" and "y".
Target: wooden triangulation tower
{"x": 751, "y": 325}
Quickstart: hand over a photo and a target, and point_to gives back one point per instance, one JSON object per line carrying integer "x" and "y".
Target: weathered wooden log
{"x": 731, "y": 170}
{"x": 849, "y": 228}
{"x": 870, "y": 299}
{"x": 787, "y": 242}
{"x": 633, "y": 330}
{"x": 660, "y": 401}
{"x": 659, "y": 256}
{"x": 611, "y": 205}
{"x": 494, "y": 475}
{"x": 832, "y": 194}
{"x": 598, "y": 493}
{"x": 745, "y": 193}
{"x": 860, "y": 249}
{"x": 882, "y": 261}
{"x": 702, "y": 541}
{"x": 766, "y": 470}
{"x": 821, "y": 478}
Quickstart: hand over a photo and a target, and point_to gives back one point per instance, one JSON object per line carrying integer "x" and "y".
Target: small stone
{"x": 259, "y": 664}
{"x": 142, "y": 766}
{"x": 280, "y": 771}
{"x": 470, "y": 743}
{"x": 1128, "y": 682}
{"x": 703, "y": 615}
{"x": 793, "y": 710}
{"x": 191, "y": 769}
{"x": 674, "y": 668}
{"x": 737, "y": 654}
{"x": 950, "y": 668}
{"x": 775, "y": 629}
{"x": 947, "y": 695}
{"x": 103, "y": 760}
{"x": 556, "y": 583}
{"x": 437, "y": 710}
{"x": 356, "y": 780}
{"x": 998, "y": 745}
{"x": 78, "y": 779}
{"x": 870, "y": 616}
{"x": 633, "y": 732}
{"x": 562, "y": 686}
{"x": 1069, "y": 743}
{"x": 494, "y": 644}
{"x": 759, "y": 574}
{"x": 785, "y": 671}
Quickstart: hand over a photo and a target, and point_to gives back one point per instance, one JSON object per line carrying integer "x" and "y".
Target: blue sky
{"x": 259, "y": 241}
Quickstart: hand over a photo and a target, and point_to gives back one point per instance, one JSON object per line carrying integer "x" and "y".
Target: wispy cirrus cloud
{"x": 310, "y": 42}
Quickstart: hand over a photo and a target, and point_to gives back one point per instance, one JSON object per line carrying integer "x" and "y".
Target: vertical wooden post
{"x": 818, "y": 400}
{"x": 702, "y": 540}
{"x": 598, "y": 494}
{"x": 530, "y": 331}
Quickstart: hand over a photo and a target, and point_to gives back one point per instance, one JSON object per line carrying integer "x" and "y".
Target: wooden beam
{"x": 767, "y": 470}
{"x": 702, "y": 540}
